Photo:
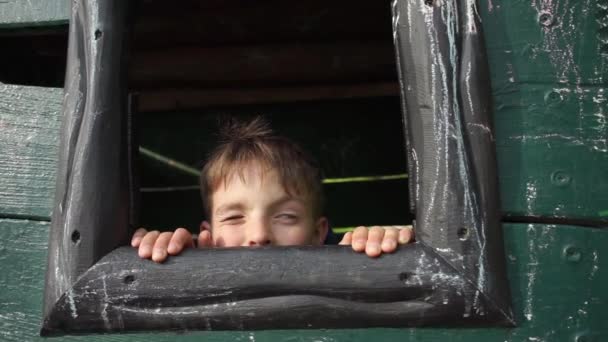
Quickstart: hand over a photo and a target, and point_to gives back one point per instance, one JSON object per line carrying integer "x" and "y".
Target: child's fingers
{"x": 147, "y": 243}
{"x": 181, "y": 239}
{"x": 374, "y": 239}
{"x": 359, "y": 239}
{"x": 347, "y": 239}
{"x": 159, "y": 253}
{"x": 389, "y": 242}
{"x": 204, "y": 239}
{"x": 137, "y": 236}
{"x": 406, "y": 235}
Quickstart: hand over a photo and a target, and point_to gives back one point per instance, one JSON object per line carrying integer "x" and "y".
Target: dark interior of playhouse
{"x": 321, "y": 72}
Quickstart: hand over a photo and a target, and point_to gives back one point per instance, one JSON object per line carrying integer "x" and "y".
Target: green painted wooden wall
{"x": 34, "y": 13}
{"x": 549, "y": 62}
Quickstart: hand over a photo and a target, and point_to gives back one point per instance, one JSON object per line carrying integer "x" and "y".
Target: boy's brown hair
{"x": 244, "y": 143}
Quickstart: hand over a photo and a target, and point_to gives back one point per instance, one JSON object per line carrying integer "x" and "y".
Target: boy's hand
{"x": 377, "y": 240}
{"x": 158, "y": 246}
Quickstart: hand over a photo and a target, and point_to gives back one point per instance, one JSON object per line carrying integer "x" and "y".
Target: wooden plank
{"x": 214, "y": 23}
{"x": 549, "y": 87}
{"x": 270, "y": 288}
{"x": 23, "y": 249}
{"x": 29, "y": 140}
{"x": 157, "y": 100}
{"x": 19, "y": 13}
{"x": 548, "y": 286}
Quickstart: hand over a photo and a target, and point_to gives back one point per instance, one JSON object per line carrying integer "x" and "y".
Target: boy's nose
{"x": 259, "y": 234}
{"x": 259, "y": 242}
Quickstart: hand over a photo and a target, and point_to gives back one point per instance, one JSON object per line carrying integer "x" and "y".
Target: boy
{"x": 262, "y": 189}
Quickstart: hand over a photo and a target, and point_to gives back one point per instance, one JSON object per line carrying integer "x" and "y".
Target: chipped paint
{"x": 531, "y": 273}
{"x": 490, "y": 6}
{"x": 560, "y": 37}
{"x": 447, "y": 98}
{"x": 106, "y": 302}
{"x": 471, "y": 13}
{"x": 73, "y": 311}
{"x": 599, "y": 145}
{"x": 594, "y": 265}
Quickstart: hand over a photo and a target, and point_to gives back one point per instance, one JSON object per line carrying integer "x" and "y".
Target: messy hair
{"x": 247, "y": 143}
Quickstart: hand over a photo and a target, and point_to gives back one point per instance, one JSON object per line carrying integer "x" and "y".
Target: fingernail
{"x": 373, "y": 248}
{"x": 403, "y": 239}
{"x": 171, "y": 247}
{"x": 142, "y": 253}
{"x": 359, "y": 244}
{"x": 158, "y": 254}
{"x": 389, "y": 245}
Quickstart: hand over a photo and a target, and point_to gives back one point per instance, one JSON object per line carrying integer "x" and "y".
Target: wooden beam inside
{"x": 213, "y": 23}
{"x": 264, "y": 65}
{"x": 156, "y": 100}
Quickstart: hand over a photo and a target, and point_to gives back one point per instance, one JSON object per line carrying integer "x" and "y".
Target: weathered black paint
{"x": 91, "y": 209}
{"x": 266, "y": 288}
{"x": 453, "y": 276}
{"x": 447, "y": 95}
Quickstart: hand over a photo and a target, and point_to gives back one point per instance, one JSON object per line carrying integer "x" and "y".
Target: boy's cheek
{"x": 229, "y": 238}
{"x": 218, "y": 242}
{"x": 281, "y": 236}
{"x": 295, "y": 237}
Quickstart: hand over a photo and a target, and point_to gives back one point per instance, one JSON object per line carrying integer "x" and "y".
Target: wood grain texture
{"x": 29, "y": 140}
{"x": 19, "y": 13}
{"x": 546, "y": 286}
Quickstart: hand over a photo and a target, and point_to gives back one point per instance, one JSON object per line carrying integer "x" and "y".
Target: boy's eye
{"x": 231, "y": 218}
{"x": 287, "y": 217}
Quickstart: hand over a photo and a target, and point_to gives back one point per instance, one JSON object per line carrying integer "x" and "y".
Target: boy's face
{"x": 257, "y": 211}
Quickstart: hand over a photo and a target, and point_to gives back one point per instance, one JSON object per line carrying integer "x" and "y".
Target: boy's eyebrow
{"x": 284, "y": 200}
{"x": 228, "y": 207}
{"x": 239, "y": 206}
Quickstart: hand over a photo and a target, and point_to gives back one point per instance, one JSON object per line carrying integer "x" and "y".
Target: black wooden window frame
{"x": 453, "y": 275}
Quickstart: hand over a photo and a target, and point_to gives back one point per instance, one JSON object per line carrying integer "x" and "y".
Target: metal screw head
{"x": 584, "y": 336}
{"x": 463, "y": 233}
{"x": 572, "y": 254}
{"x": 129, "y": 279}
{"x": 546, "y": 19}
{"x": 553, "y": 97}
{"x": 560, "y": 178}
{"x": 75, "y": 237}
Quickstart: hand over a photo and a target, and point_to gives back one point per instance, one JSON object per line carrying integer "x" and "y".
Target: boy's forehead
{"x": 255, "y": 179}
{"x": 250, "y": 175}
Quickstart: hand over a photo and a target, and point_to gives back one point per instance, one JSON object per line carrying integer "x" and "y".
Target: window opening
{"x": 454, "y": 274}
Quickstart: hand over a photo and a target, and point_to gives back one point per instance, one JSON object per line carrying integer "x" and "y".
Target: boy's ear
{"x": 321, "y": 229}
{"x": 205, "y": 226}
